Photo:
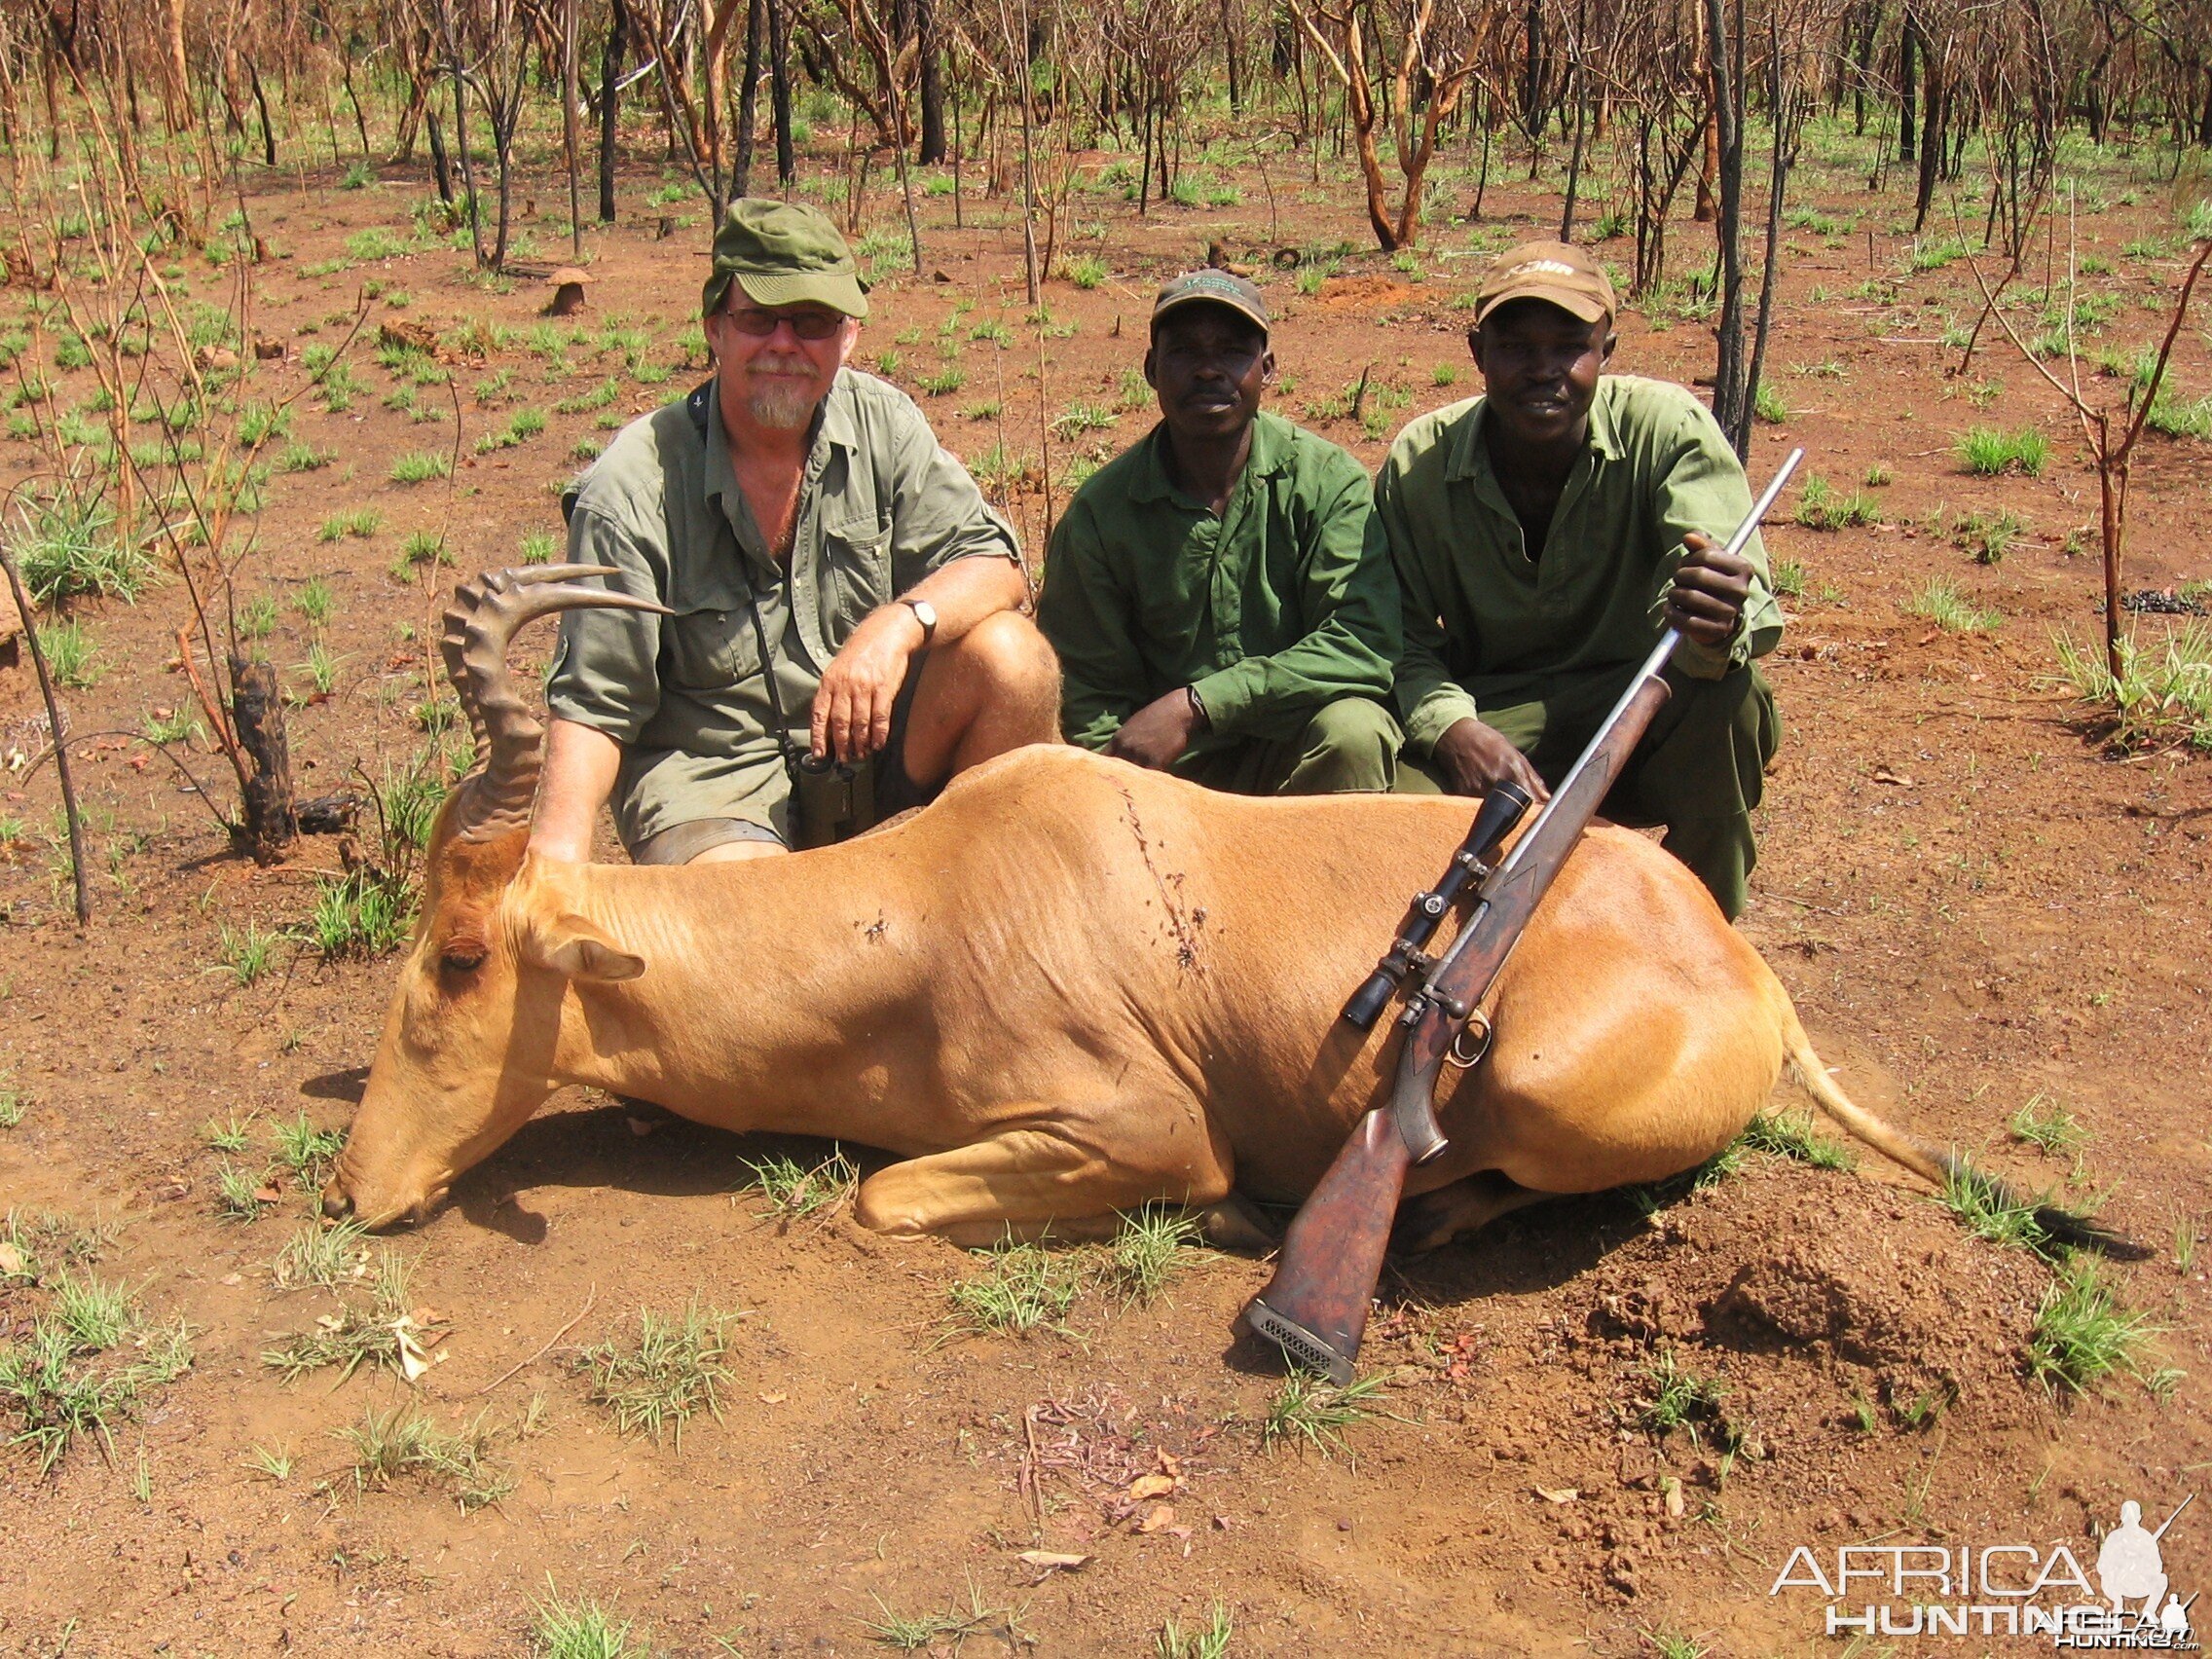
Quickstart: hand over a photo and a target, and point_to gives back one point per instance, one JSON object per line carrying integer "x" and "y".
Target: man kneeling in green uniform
{"x": 1220, "y": 595}
{"x": 1545, "y": 535}
{"x": 839, "y": 590}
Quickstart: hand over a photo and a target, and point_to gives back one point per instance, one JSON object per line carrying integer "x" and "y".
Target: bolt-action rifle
{"x": 1316, "y": 1306}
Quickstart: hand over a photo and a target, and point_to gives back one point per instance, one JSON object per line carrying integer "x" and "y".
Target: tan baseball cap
{"x": 783, "y": 253}
{"x": 1554, "y": 272}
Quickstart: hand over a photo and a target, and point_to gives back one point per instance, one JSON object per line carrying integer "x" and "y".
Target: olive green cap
{"x": 1210, "y": 286}
{"x": 781, "y": 253}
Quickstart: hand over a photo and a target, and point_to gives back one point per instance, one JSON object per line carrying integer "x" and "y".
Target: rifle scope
{"x": 1501, "y": 809}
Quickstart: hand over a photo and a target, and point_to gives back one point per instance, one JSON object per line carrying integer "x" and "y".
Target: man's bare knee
{"x": 1011, "y": 656}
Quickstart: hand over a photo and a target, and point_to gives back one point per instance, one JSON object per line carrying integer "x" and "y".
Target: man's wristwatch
{"x": 926, "y": 614}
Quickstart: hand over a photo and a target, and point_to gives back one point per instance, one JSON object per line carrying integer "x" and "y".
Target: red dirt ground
{"x": 1971, "y": 901}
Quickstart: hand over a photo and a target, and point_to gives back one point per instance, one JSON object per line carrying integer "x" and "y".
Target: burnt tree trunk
{"x": 780, "y": 95}
{"x": 931, "y": 151}
{"x": 748, "y": 98}
{"x": 257, "y": 714}
{"x": 610, "y": 105}
{"x": 1905, "y": 144}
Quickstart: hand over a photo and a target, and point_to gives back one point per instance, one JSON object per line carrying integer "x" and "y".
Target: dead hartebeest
{"x": 1067, "y": 988}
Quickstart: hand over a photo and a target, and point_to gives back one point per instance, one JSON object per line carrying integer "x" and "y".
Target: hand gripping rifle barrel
{"x": 1316, "y": 1306}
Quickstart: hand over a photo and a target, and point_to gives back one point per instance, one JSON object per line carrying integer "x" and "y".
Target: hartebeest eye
{"x": 460, "y": 959}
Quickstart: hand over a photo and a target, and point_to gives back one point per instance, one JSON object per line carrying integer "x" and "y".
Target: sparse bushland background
{"x": 278, "y": 369}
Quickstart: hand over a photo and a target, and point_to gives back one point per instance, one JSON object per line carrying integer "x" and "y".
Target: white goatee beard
{"x": 780, "y": 407}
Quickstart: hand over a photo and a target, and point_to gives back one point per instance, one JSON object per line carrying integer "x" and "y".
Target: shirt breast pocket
{"x": 856, "y": 560}
{"x": 709, "y": 649}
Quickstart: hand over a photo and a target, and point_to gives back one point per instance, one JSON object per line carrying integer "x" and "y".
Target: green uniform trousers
{"x": 1699, "y": 770}
{"x": 1351, "y": 744}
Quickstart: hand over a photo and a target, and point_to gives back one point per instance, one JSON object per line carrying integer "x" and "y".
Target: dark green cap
{"x": 1210, "y": 286}
{"x": 781, "y": 253}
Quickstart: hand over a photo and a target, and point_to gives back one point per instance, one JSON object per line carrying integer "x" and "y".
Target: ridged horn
{"x": 480, "y": 625}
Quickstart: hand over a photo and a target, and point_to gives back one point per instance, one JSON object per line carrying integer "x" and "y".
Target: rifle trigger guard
{"x": 1471, "y": 1044}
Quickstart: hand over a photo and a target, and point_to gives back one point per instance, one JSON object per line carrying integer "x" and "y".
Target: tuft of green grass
{"x": 2161, "y": 698}
{"x": 538, "y": 546}
{"x": 248, "y": 952}
{"x": 65, "y": 545}
{"x": 1788, "y": 578}
{"x": 402, "y": 1442}
{"x": 1988, "y": 536}
{"x": 919, "y": 1632}
{"x": 309, "y": 1152}
{"x": 1989, "y": 1211}
{"x": 1768, "y": 404}
{"x": 1081, "y": 418}
{"x": 273, "y": 1464}
{"x": 1153, "y": 1246}
{"x": 1086, "y": 271}
{"x": 1795, "y": 1137}
{"x": 1310, "y": 1411}
{"x": 381, "y": 1332}
{"x": 1821, "y": 508}
{"x": 359, "y": 915}
{"x": 356, "y": 521}
{"x": 1209, "y": 1640}
{"x": 578, "y": 1630}
{"x": 2084, "y": 1335}
{"x": 14, "y": 1104}
{"x": 1989, "y": 452}
{"x": 86, "y": 1361}
{"x": 794, "y": 1191}
{"x": 1682, "y": 1399}
{"x": 672, "y": 1371}
{"x": 231, "y": 1134}
{"x": 944, "y": 382}
{"x": 1877, "y": 476}
{"x": 238, "y": 1192}
{"x": 420, "y": 467}
{"x": 316, "y": 603}
{"x": 257, "y": 617}
{"x": 322, "y": 1257}
{"x": 69, "y": 652}
{"x": 1939, "y": 600}
{"x": 2047, "y": 1123}
{"x": 1025, "y": 1287}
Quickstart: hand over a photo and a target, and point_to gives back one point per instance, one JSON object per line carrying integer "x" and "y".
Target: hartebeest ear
{"x": 568, "y": 944}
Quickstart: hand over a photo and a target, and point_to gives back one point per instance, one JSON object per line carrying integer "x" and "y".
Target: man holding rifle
{"x": 1545, "y": 535}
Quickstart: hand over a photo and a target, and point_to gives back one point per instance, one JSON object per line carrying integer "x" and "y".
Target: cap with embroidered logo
{"x": 1210, "y": 286}
{"x": 783, "y": 253}
{"x": 1554, "y": 272}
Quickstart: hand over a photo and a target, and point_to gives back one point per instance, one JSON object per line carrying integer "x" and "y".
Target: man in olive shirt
{"x": 1544, "y": 536}
{"x": 837, "y": 586}
{"x": 1219, "y": 594}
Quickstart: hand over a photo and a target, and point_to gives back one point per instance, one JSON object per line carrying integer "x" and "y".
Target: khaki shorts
{"x": 895, "y": 792}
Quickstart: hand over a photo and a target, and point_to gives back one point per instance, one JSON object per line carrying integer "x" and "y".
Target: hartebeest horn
{"x": 481, "y": 624}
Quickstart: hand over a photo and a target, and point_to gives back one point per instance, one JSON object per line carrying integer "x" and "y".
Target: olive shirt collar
{"x": 1270, "y": 454}
{"x": 1469, "y": 462}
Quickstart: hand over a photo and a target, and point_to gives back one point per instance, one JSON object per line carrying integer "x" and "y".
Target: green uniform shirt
{"x": 1280, "y": 604}
{"x": 1486, "y": 625}
{"x": 881, "y": 506}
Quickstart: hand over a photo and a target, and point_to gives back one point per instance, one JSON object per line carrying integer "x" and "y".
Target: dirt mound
{"x": 1879, "y": 1289}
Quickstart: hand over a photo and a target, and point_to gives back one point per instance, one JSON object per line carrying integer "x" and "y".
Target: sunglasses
{"x": 806, "y": 324}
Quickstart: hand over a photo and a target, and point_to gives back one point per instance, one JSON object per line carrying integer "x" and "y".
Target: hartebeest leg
{"x": 1434, "y": 1218}
{"x": 1022, "y": 1184}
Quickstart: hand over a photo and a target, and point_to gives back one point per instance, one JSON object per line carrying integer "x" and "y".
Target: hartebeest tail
{"x": 1941, "y": 1170}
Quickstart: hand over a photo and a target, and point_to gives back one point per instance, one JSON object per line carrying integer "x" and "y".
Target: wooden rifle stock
{"x": 1316, "y": 1306}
